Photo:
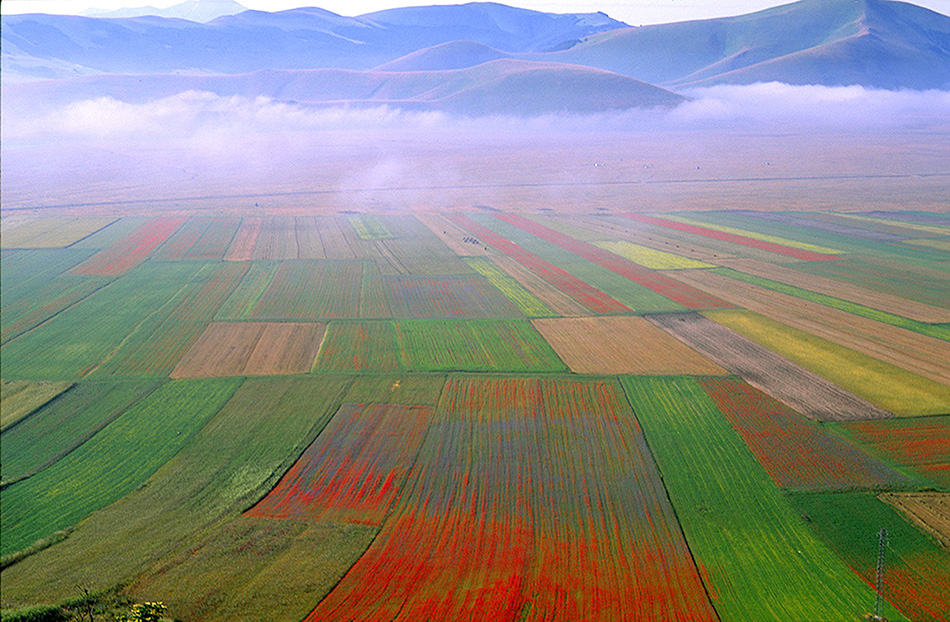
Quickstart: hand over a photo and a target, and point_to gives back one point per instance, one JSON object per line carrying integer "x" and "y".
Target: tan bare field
{"x": 242, "y": 246}
{"x": 621, "y": 345}
{"x": 278, "y": 238}
{"x": 309, "y": 243}
{"x": 452, "y": 235}
{"x": 923, "y": 355}
{"x": 839, "y": 289}
{"x": 560, "y": 303}
{"x": 806, "y": 392}
{"x": 516, "y": 170}
{"x": 285, "y": 349}
{"x": 929, "y": 510}
{"x": 251, "y": 348}
{"x": 335, "y": 243}
{"x": 51, "y": 232}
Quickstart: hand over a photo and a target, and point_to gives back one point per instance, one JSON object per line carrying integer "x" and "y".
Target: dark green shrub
{"x": 38, "y": 613}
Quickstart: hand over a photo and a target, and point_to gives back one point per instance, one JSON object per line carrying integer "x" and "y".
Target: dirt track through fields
{"x": 805, "y": 392}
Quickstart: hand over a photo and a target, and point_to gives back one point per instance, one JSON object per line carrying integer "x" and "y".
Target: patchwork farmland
{"x": 477, "y": 414}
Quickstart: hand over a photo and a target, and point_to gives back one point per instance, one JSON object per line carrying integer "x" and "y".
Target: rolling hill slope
{"x": 876, "y": 43}
{"x": 498, "y": 87}
{"x": 37, "y": 46}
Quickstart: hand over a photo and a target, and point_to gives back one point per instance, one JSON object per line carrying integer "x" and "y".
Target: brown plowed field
{"x": 251, "y": 348}
{"x": 912, "y": 351}
{"x": 805, "y": 392}
{"x": 560, "y": 303}
{"x": 621, "y": 345}
{"x": 930, "y": 510}
{"x": 839, "y": 289}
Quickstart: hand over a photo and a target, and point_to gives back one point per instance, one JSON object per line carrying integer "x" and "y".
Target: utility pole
{"x": 879, "y": 578}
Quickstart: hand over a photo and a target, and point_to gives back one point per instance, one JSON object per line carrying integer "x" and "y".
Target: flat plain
{"x": 587, "y": 400}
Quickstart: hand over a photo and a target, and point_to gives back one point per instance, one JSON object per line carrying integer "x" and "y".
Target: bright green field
{"x": 21, "y": 397}
{"x": 112, "y": 463}
{"x": 762, "y": 560}
{"x": 66, "y": 423}
{"x": 474, "y": 345}
{"x": 436, "y": 346}
{"x": 917, "y": 571}
{"x": 78, "y": 340}
{"x": 26, "y": 271}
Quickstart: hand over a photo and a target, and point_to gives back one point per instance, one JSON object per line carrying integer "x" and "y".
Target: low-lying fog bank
{"x": 763, "y": 145}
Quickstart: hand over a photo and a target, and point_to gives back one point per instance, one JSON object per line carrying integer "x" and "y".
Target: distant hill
{"x": 452, "y": 55}
{"x": 192, "y": 10}
{"x": 41, "y": 45}
{"x": 505, "y": 86}
{"x": 479, "y": 57}
{"x": 875, "y": 43}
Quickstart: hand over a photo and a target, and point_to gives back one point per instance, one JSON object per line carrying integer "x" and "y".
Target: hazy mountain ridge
{"x": 876, "y": 43}
{"x": 479, "y": 58}
{"x": 495, "y": 87}
{"x": 294, "y": 39}
{"x": 193, "y": 10}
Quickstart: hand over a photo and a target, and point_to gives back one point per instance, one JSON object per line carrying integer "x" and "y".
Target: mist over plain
{"x": 206, "y": 121}
{"x": 100, "y": 152}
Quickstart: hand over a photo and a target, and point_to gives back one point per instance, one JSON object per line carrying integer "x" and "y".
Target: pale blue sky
{"x": 631, "y": 11}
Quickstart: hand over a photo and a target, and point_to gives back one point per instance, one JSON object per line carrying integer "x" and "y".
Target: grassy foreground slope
{"x": 112, "y": 463}
{"x": 247, "y": 567}
{"x": 230, "y": 459}
{"x": 66, "y": 423}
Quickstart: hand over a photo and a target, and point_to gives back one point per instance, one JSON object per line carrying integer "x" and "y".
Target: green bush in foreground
{"x": 39, "y": 613}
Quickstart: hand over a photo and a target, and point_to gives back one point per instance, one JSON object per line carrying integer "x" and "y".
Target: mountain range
{"x": 474, "y": 58}
{"x": 192, "y": 10}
